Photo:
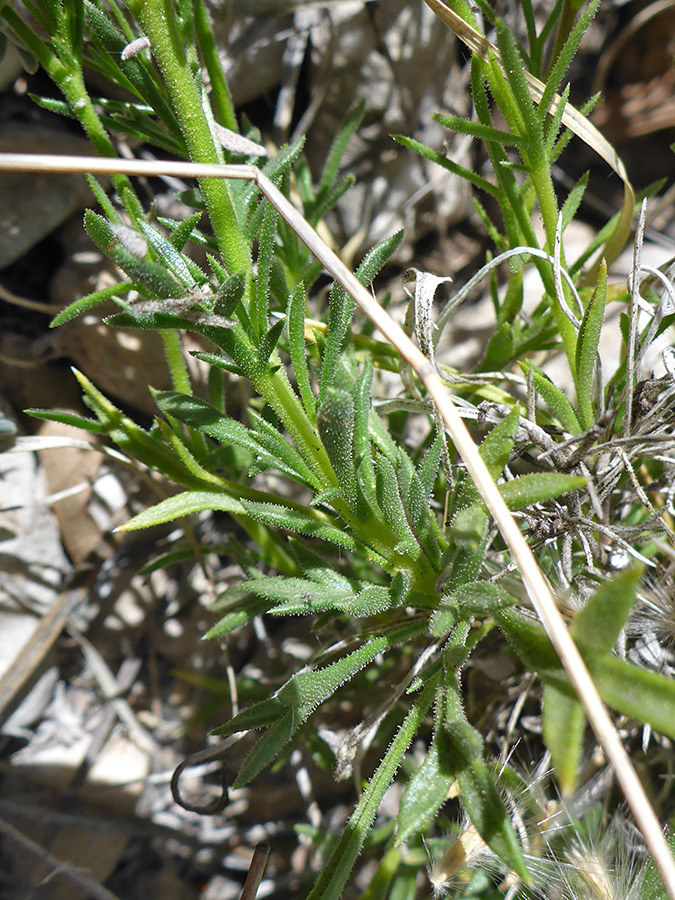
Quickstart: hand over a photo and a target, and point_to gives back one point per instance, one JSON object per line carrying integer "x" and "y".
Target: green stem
{"x": 568, "y": 17}
{"x": 180, "y": 379}
{"x": 548, "y": 207}
{"x": 156, "y": 18}
{"x": 333, "y": 877}
{"x": 539, "y": 170}
{"x": 220, "y": 92}
{"x": 173, "y": 350}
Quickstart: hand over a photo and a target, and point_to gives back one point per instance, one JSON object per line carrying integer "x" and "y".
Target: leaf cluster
{"x": 389, "y": 546}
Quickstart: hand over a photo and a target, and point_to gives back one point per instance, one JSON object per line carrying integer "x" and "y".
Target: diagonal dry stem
{"x": 537, "y": 587}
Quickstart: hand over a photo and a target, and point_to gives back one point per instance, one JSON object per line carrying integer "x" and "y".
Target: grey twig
{"x": 77, "y": 876}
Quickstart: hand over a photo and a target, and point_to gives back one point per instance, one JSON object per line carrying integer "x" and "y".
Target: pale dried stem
{"x": 537, "y": 587}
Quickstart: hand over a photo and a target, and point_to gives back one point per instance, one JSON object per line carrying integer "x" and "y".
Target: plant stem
{"x": 548, "y": 207}
{"x": 220, "y": 91}
{"x": 333, "y": 877}
{"x": 156, "y": 18}
{"x": 173, "y": 351}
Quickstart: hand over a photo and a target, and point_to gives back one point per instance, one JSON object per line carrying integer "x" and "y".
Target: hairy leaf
{"x": 555, "y": 399}
{"x": 302, "y": 521}
{"x": 596, "y": 628}
{"x": 563, "y": 723}
{"x": 588, "y": 340}
{"x": 538, "y": 487}
{"x": 184, "y": 504}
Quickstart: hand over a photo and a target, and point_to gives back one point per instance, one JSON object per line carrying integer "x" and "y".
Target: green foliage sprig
{"x": 400, "y": 559}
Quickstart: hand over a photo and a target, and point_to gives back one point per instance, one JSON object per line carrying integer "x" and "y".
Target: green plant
{"x": 392, "y": 551}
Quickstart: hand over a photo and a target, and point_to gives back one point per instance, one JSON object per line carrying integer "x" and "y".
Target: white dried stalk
{"x": 537, "y": 587}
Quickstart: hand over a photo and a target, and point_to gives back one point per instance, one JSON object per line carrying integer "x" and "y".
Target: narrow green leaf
{"x": 495, "y": 449}
{"x": 259, "y": 310}
{"x": 533, "y": 139}
{"x": 482, "y": 801}
{"x": 478, "y": 130}
{"x": 173, "y": 259}
{"x": 436, "y": 157}
{"x": 198, "y": 414}
{"x": 341, "y": 309}
{"x": 238, "y": 616}
{"x": 596, "y": 628}
{"x": 146, "y": 274}
{"x": 327, "y": 201}
{"x": 365, "y": 469}
{"x": 314, "y": 566}
{"x": 573, "y": 199}
{"x": 642, "y": 694}
{"x": 587, "y": 348}
{"x": 283, "y": 454}
{"x": 461, "y": 752}
{"x": 443, "y": 619}
{"x": 467, "y": 528}
{"x": 416, "y": 502}
{"x": 67, "y": 419}
{"x": 182, "y": 505}
{"x": 497, "y": 445}
{"x": 565, "y": 56}
{"x": 480, "y": 598}
{"x": 152, "y": 321}
{"x": 58, "y": 107}
{"x": 427, "y": 469}
{"x": 307, "y": 690}
{"x": 88, "y": 302}
{"x": 260, "y": 715}
{"x": 303, "y": 590}
{"x": 338, "y": 145}
{"x": 133, "y": 440}
{"x": 307, "y": 522}
{"x": 335, "y": 421}
{"x": 269, "y": 341}
{"x": 538, "y": 487}
{"x": 177, "y": 443}
{"x": 424, "y": 795}
{"x": 230, "y": 294}
{"x": 499, "y": 351}
{"x": 295, "y": 330}
{"x": 556, "y": 401}
{"x": 267, "y": 748}
{"x": 181, "y": 232}
{"x": 103, "y": 199}
{"x": 220, "y": 91}
{"x": 553, "y": 123}
{"x": 391, "y": 503}
{"x": 368, "y": 602}
{"x": 563, "y": 725}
